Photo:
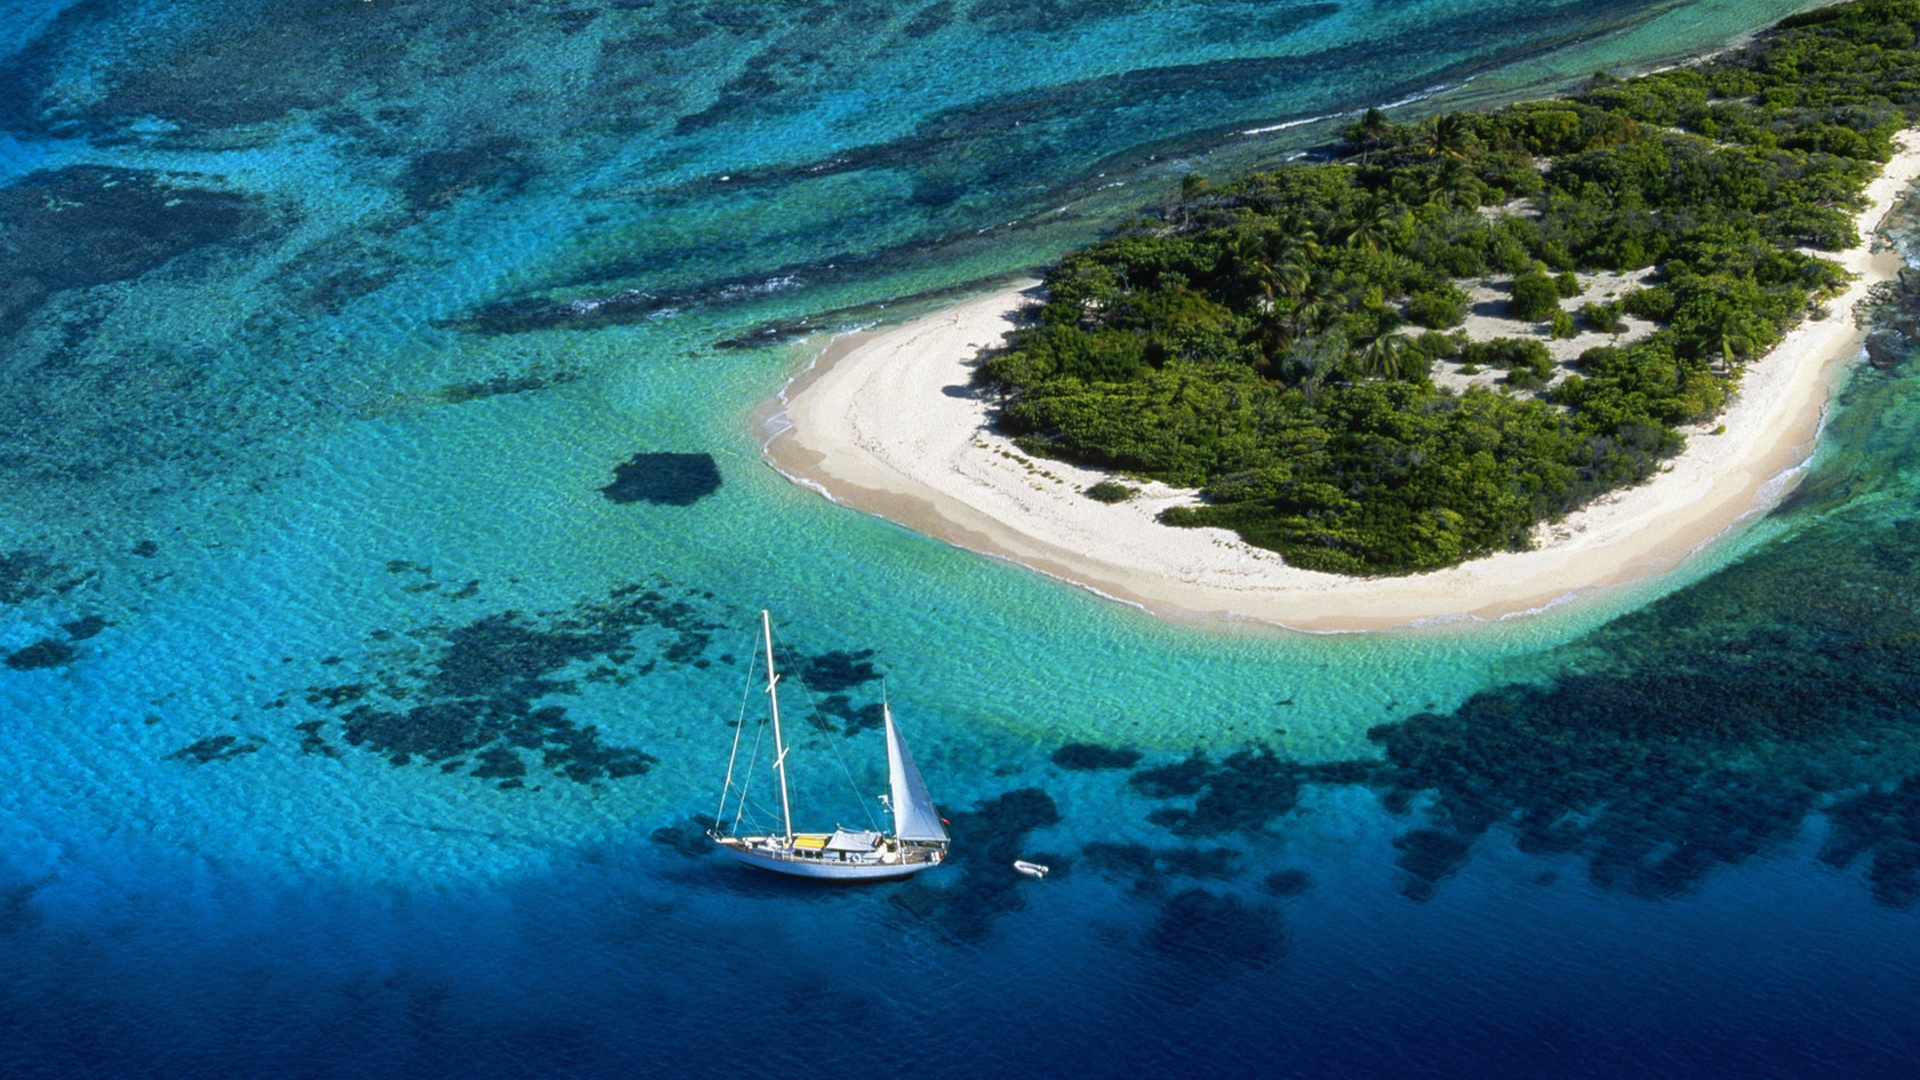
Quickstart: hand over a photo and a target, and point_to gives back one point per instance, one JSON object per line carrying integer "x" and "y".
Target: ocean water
{"x": 360, "y": 710}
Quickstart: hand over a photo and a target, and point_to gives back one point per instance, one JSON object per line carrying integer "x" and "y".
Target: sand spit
{"x": 888, "y": 421}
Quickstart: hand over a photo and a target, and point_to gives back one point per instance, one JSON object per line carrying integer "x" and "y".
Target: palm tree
{"x": 1407, "y": 190}
{"x": 1289, "y": 278}
{"x": 1373, "y": 225}
{"x": 1297, "y": 240}
{"x": 1389, "y": 356}
{"x": 1284, "y": 272}
{"x": 1448, "y": 135}
{"x": 1455, "y": 185}
{"x": 1247, "y": 253}
{"x": 1310, "y": 316}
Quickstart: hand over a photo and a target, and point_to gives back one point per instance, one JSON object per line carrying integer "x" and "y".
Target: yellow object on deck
{"x": 809, "y": 843}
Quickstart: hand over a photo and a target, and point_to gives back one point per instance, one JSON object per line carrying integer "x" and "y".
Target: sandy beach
{"x": 887, "y": 421}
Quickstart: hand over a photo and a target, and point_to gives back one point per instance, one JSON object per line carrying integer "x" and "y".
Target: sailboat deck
{"x": 773, "y": 853}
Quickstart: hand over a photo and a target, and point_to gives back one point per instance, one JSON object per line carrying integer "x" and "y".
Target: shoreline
{"x": 886, "y": 421}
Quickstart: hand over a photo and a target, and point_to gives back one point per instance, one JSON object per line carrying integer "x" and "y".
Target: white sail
{"x": 914, "y": 817}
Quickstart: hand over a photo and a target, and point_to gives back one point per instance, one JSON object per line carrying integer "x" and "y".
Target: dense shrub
{"x": 1509, "y": 354}
{"x": 1435, "y": 345}
{"x": 1602, "y": 318}
{"x": 1438, "y": 309}
{"x": 1536, "y": 296}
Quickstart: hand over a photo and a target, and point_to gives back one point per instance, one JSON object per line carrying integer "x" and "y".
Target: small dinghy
{"x": 1031, "y": 869}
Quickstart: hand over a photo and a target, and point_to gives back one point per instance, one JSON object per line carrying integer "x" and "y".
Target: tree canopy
{"x": 1253, "y": 341}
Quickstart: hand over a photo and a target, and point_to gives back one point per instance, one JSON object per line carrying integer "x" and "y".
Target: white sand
{"x": 887, "y": 422}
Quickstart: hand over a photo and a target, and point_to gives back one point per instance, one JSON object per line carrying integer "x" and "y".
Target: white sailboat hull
{"x": 864, "y": 866}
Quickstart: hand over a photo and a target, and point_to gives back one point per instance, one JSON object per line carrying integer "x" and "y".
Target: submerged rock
{"x": 1087, "y": 757}
{"x": 1289, "y": 882}
{"x": 214, "y": 748}
{"x": 85, "y": 627}
{"x": 45, "y": 653}
{"x": 25, "y": 576}
{"x": 1887, "y": 348}
{"x": 667, "y": 479}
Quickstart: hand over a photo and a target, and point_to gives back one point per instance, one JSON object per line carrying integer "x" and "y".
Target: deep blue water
{"x": 384, "y": 525}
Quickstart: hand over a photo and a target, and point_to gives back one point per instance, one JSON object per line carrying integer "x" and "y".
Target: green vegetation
{"x": 1536, "y": 296}
{"x": 1527, "y": 362}
{"x": 1111, "y": 491}
{"x": 1439, "y": 309}
{"x": 1603, "y": 318}
{"x": 1253, "y": 340}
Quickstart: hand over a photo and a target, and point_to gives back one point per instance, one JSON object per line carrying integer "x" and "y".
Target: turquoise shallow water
{"x": 324, "y": 332}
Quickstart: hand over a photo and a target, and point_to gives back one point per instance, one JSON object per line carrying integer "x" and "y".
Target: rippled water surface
{"x": 385, "y": 527}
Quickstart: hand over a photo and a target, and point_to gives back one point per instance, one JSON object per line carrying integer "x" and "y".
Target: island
{"x": 1464, "y": 368}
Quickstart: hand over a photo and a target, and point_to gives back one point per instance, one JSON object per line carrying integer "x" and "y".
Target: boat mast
{"x": 779, "y": 747}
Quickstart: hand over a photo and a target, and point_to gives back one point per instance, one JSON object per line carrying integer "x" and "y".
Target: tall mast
{"x": 779, "y": 747}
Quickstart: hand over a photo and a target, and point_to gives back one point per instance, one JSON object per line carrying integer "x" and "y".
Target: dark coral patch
{"x": 1428, "y": 856}
{"x": 438, "y": 177}
{"x": 310, "y": 740}
{"x": 214, "y": 748}
{"x": 335, "y": 696}
{"x": 1087, "y": 757}
{"x": 837, "y": 670}
{"x": 1246, "y": 790}
{"x": 88, "y": 225}
{"x": 986, "y": 841}
{"x": 85, "y": 627}
{"x": 476, "y": 694}
{"x": 1289, "y": 882}
{"x": 1172, "y": 781}
{"x": 667, "y": 479}
{"x": 1886, "y": 824}
{"x": 687, "y": 837}
{"x": 1697, "y": 732}
{"x": 499, "y": 763}
{"x": 1210, "y": 932}
{"x": 45, "y": 653}
{"x": 1149, "y": 868}
{"x": 25, "y": 576}
{"x": 853, "y": 719}
{"x": 502, "y": 385}
{"x": 831, "y": 674}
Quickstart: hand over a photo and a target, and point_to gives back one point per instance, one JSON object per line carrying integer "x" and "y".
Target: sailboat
{"x": 918, "y": 840}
